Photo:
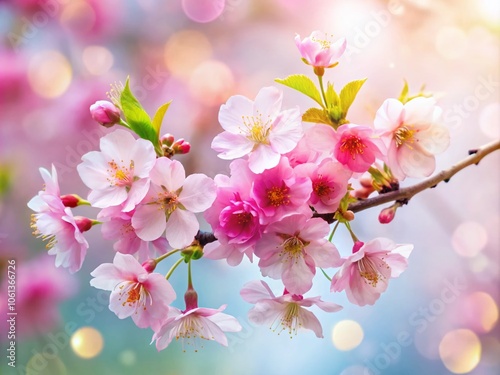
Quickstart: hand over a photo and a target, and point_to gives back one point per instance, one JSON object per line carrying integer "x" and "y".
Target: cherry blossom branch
{"x": 401, "y": 195}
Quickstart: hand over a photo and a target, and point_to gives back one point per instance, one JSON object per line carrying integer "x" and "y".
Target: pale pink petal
{"x": 389, "y": 116}
{"x": 230, "y": 114}
{"x": 149, "y": 222}
{"x": 416, "y": 163}
{"x": 297, "y": 276}
{"x": 168, "y": 173}
{"x": 434, "y": 140}
{"x": 419, "y": 112}
{"x": 309, "y": 321}
{"x": 109, "y": 197}
{"x": 231, "y": 146}
{"x": 226, "y": 322}
{"x": 106, "y": 277}
{"x": 144, "y": 156}
{"x": 266, "y": 311}
{"x": 136, "y": 193}
{"x": 93, "y": 170}
{"x": 268, "y": 102}
{"x": 181, "y": 228}
{"x": 287, "y": 132}
{"x": 256, "y": 290}
{"x": 118, "y": 144}
{"x": 262, "y": 158}
{"x": 198, "y": 193}
{"x": 324, "y": 253}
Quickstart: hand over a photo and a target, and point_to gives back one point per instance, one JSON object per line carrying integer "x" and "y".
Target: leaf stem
{"x": 172, "y": 269}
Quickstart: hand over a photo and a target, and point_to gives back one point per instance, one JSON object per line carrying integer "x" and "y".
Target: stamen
{"x": 404, "y": 135}
{"x": 353, "y": 145}
{"x": 278, "y": 196}
{"x": 256, "y": 129}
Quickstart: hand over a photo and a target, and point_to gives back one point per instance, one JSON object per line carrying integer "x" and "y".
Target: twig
{"x": 403, "y": 194}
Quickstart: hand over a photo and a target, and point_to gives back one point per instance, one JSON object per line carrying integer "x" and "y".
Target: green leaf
{"x": 158, "y": 117}
{"x": 348, "y": 94}
{"x": 331, "y": 96}
{"x": 136, "y": 117}
{"x": 317, "y": 115}
{"x": 304, "y": 84}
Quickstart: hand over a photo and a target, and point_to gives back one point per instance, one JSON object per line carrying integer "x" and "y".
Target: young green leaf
{"x": 304, "y": 84}
{"x": 317, "y": 115}
{"x": 348, "y": 94}
{"x": 135, "y": 115}
{"x": 331, "y": 96}
{"x": 158, "y": 117}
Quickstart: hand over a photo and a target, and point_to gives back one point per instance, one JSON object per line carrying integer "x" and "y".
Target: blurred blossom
{"x": 40, "y": 289}
{"x": 49, "y": 74}
{"x": 203, "y": 10}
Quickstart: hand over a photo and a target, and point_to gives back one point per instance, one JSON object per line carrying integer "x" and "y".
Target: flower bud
{"x": 105, "y": 113}
{"x": 387, "y": 214}
{"x": 357, "y": 245}
{"x": 149, "y": 265}
{"x": 83, "y": 223}
{"x": 348, "y": 215}
{"x": 181, "y": 146}
{"x": 167, "y": 140}
{"x": 70, "y": 200}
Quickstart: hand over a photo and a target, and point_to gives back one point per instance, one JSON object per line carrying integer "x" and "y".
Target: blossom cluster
{"x": 292, "y": 174}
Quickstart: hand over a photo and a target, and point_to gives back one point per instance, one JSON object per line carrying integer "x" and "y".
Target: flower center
{"x": 290, "y": 320}
{"x": 278, "y": 196}
{"x": 256, "y": 129}
{"x": 369, "y": 271}
{"x": 353, "y": 145}
{"x": 167, "y": 201}
{"x": 134, "y": 295}
{"x": 189, "y": 329}
{"x": 324, "y": 43}
{"x": 137, "y": 295}
{"x": 293, "y": 247}
{"x": 404, "y": 135}
{"x": 244, "y": 218}
{"x": 321, "y": 188}
{"x": 121, "y": 175}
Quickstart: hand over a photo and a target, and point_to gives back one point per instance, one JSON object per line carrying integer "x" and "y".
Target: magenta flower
{"x": 279, "y": 192}
{"x": 411, "y": 135}
{"x": 365, "y": 274}
{"x": 117, "y": 226}
{"x": 258, "y": 129}
{"x": 119, "y": 173}
{"x": 134, "y": 292}
{"x": 329, "y": 183}
{"x": 292, "y": 248}
{"x": 285, "y": 313}
{"x": 234, "y": 216}
{"x": 171, "y": 203}
{"x": 318, "y": 50}
{"x": 40, "y": 289}
{"x": 356, "y": 147}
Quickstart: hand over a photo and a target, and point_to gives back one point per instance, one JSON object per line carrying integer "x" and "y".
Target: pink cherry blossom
{"x": 329, "y": 183}
{"x": 50, "y": 189}
{"x": 365, "y": 274}
{"x": 105, "y": 113}
{"x": 258, "y": 129}
{"x": 314, "y": 146}
{"x": 285, "y": 313}
{"x": 319, "y": 50}
{"x": 171, "y": 203}
{"x": 198, "y": 322}
{"x": 134, "y": 292}
{"x": 292, "y": 248}
{"x": 279, "y": 192}
{"x": 234, "y": 216}
{"x": 412, "y": 136}
{"x": 117, "y": 226}
{"x": 356, "y": 147}
{"x": 40, "y": 288}
{"x": 119, "y": 173}
{"x": 64, "y": 232}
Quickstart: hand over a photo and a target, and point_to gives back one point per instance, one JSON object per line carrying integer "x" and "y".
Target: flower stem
{"x": 353, "y": 236}
{"x": 320, "y": 79}
{"x": 333, "y": 231}
{"x": 324, "y": 273}
{"x": 172, "y": 269}
{"x": 190, "y": 280}
{"x": 165, "y": 256}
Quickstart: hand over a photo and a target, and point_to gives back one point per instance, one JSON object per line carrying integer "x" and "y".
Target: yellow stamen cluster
{"x": 321, "y": 188}
{"x": 120, "y": 175}
{"x": 404, "y": 135}
{"x": 136, "y": 295}
{"x": 290, "y": 320}
{"x": 278, "y": 196}
{"x": 51, "y": 238}
{"x": 369, "y": 271}
{"x": 353, "y": 145}
{"x": 256, "y": 129}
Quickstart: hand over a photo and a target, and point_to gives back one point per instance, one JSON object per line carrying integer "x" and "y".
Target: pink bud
{"x": 181, "y": 146}
{"x": 357, "y": 245}
{"x": 83, "y": 223}
{"x": 70, "y": 200}
{"x": 105, "y": 113}
{"x": 149, "y": 265}
{"x": 387, "y": 215}
{"x": 167, "y": 140}
{"x": 366, "y": 181}
{"x": 348, "y": 215}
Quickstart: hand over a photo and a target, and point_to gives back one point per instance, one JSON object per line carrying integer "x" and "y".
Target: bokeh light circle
{"x": 49, "y": 74}
{"x": 211, "y": 82}
{"x": 184, "y": 51}
{"x": 460, "y": 351}
{"x": 97, "y": 59}
{"x": 489, "y": 120}
{"x": 87, "y": 342}
{"x": 203, "y": 10}
{"x": 481, "y": 311}
{"x": 347, "y": 335}
{"x": 469, "y": 238}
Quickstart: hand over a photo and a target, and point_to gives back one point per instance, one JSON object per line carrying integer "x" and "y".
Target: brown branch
{"x": 401, "y": 195}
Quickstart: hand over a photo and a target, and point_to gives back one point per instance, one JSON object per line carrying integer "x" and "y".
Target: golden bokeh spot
{"x": 87, "y": 342}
